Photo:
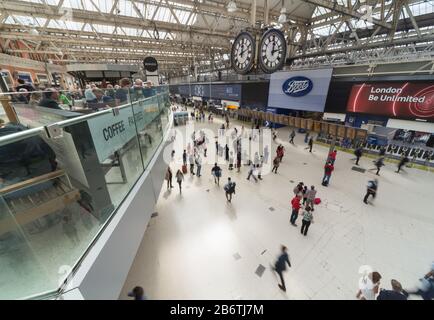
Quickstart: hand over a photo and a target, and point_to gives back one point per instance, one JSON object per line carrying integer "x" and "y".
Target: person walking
{"x": 328, "y": 169}
{"x": 216, "y": 171}
{"x": 295, "y": 203}
{"x": 307, "y": 220}
{"x": 404, "y": 160}
{"x": 179, "y": 178}
{"x": 280, "y": 152}
{"x": 191, "y": 161}
{"x": 276, "y": 163}
{"x": 216, "y": 147}
{"x": 251, "y": 172}
{"x": 310, "y": 197}
{"x": 184, "y": 157}
{"x": 371, "y": 190}
{"x": 169, "y": 177}
{"x": 358, "y": 153}
{"x": 198, "y": 162}
{"x": 426, "y": 288}
{"x": 397, "y": 293}
{"x": 226, "y": 152}
{"x": 310, "y": 144}
{"x": 280, "y": 266}
{"x": 378, "y": 164}
{"x": 291, "y": 137}
{"x": 229, "y": 189}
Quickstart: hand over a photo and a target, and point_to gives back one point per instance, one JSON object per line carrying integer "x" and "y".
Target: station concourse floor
{"x": 201, "y": 247}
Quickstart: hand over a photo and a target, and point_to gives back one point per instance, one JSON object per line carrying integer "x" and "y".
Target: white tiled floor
{"x": 188, "y": 250}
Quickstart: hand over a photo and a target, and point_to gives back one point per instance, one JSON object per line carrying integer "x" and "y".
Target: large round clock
{"x": 272, "y": 51}
{"x": 243, "y": 53}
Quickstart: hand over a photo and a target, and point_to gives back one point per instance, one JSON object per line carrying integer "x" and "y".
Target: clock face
{"x": 272, "y": 51}
{"x": 243, "y": 53}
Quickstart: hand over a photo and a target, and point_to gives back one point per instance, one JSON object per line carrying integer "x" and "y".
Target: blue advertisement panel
{"x": 304, "y": 90}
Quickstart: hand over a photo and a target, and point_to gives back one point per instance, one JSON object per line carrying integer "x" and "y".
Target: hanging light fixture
{"x": 282, "y": 18}
{"x": 232, "y": 6}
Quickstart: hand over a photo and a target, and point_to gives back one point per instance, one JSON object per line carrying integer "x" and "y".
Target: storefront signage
{"x": 150, "y": 64}
{"x": 406, "y": 100}
{"x": 299, "y": 90}
{"x": 297, "y": 86}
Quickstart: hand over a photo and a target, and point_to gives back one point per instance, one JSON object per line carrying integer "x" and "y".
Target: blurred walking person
{"x": 280, "y": 266}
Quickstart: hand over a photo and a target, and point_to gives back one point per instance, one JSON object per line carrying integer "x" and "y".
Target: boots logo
{"x": 297, "y": 86}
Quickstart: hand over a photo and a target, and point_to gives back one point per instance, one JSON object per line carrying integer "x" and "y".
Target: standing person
{"x": 310, "y": 199}
{"x": 280, "y": 266}
{"x": 295, "y": 203}
{"x": 307, "y": 220}
{"x": 378, "y": 164}
{"x": 332, "y": 156}
{"x": 169, "y": 177}
{"x": 229, "y": 189}
{"x": 298, "y": 189}
{"x": 371, "y": 190}
{"x": 280, "y": 152}
{"x": 184, "y": 157}
{"x": 397, "y": 293}
{"x": 292, "y": 136}
{"x": 238, "y": 161}
{"x": 369, "y": 286}
{"x": 216, "y": 171}
{"x": 226, "y": 152}
{"x": 304, "y": 194}
{"x": 137, "y": 293}
{"x": 328, "y": 169}
{"x": 358, "y": 153}
{"x": 191, "y": 161}
{"x": 266, "y": 154}
{"x": 216, "y": 147}
{"x": 231, "y": 160}
{"x": 179, "y": 178}
{"x": 227, "y": 121}
{"x": 402, "y": 162}
{"x": 198, "y": 161}
{"x": 276, "y": 163}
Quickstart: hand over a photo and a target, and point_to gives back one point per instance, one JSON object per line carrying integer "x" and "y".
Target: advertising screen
{"x": 304, "y": 90}
{"x": 218, "y": 91}
{"x": 405, "y": 100}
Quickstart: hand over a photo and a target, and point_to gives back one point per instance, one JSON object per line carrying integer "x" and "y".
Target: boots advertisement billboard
{"x": 404, "y": 100}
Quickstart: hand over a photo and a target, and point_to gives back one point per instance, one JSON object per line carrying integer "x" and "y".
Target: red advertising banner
{"x": 407, "y": 100}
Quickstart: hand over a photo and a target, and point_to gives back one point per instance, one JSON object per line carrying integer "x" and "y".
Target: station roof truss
{"x": 184, "y": 34}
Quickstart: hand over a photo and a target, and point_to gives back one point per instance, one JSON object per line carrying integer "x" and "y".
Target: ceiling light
{"x": 282, "y": 17}
{"x": 232, "y": 6}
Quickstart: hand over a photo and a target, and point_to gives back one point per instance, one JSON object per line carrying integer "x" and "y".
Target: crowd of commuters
{"x": 91, "y": 96}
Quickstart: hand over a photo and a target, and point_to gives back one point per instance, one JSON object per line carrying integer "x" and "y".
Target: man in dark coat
{"x": 280, "y": 266}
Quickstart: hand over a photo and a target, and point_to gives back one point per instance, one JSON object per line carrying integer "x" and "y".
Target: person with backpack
{"x": 216, "y": 171}
{"x": 328, "y": 169}
{"x": 229, "y": 189}
{"x": 371, "y": 190}
{"x": 295, "y": 203}
{"x": 280, "y": 266}
{"x": 307, "y": 220}
{"x": 179, "y": 178}
{"x": 358, "y": 153}
{"x": 276, "y": 163}
{"x": 404, "y": 160}
{"x": 291, "y": 137}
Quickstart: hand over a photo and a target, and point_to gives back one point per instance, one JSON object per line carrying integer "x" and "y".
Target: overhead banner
{"x": 214, "y": 91}
{"x": 406, "y": 100}
{"x": 304, "y": 90}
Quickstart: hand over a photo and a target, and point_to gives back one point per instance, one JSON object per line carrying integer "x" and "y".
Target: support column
{"x": 253, "y": 14}
{"x": 9, "y": 110}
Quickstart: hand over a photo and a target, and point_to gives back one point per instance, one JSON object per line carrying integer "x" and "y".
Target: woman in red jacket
{"x": 328, "y": 169}
{"x": 295, "y": 202}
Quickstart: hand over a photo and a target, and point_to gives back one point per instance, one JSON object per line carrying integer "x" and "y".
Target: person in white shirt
{"x": 369, "y": 286}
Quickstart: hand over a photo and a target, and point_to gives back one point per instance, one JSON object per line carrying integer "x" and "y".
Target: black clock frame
{"x": 261, "y": 63}
{"x": 252, "y": 59}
